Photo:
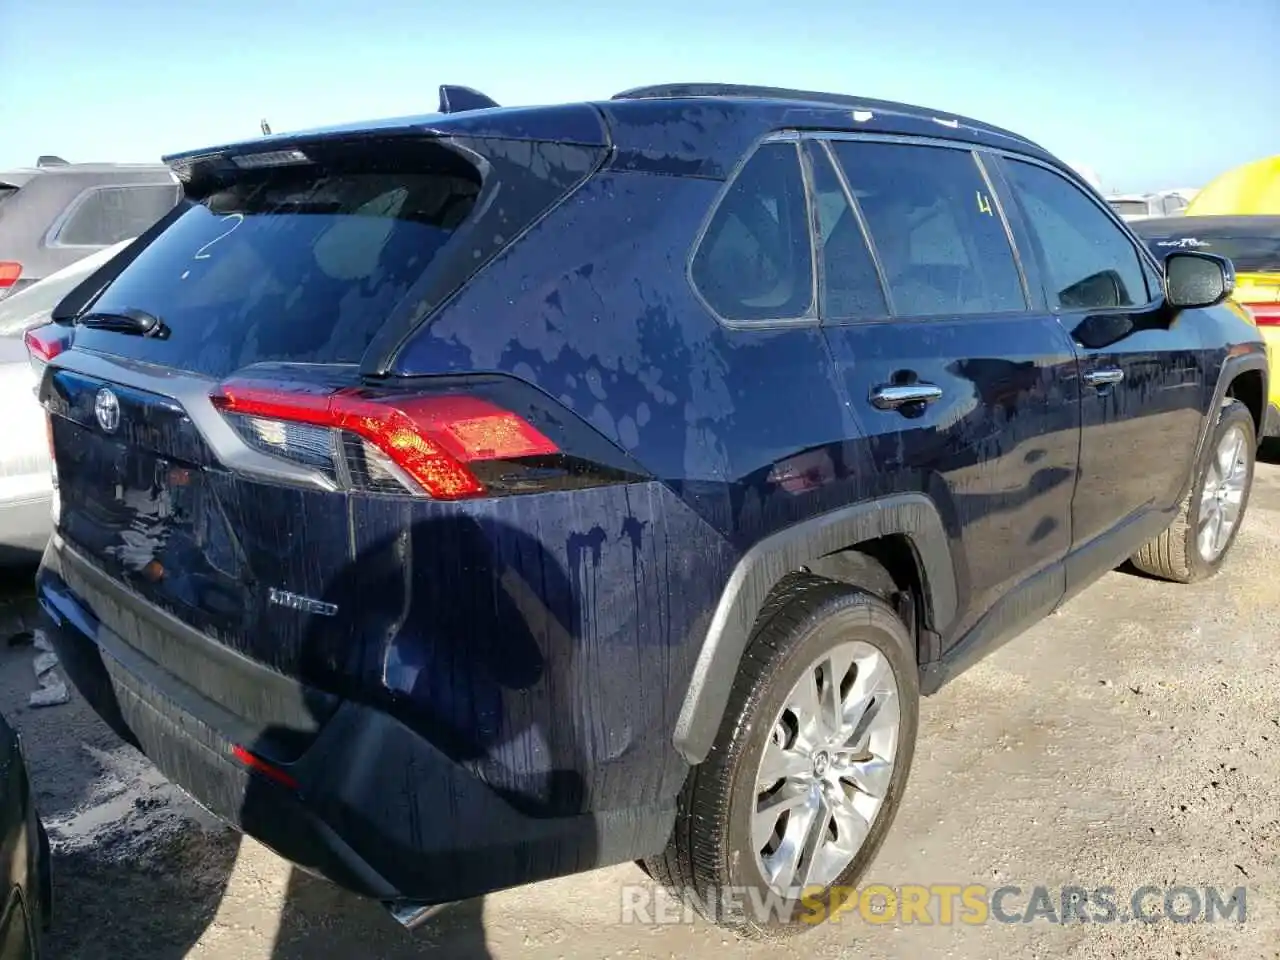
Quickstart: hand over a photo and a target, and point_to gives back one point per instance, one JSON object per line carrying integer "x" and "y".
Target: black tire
{"x": 711, "y": 848}
{"x": 1175, "y": 554}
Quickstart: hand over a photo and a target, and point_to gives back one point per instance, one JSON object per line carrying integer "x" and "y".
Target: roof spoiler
{"x": 49, "y": 160}
{"x": 458, "y": 99}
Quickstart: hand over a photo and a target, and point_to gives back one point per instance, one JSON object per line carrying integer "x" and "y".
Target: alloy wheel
{"x": 1223, "y": 494}
{"x": 826, "y": 768}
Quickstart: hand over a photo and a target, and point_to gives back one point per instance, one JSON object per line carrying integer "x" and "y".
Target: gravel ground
{"x": 1132, "y": 739}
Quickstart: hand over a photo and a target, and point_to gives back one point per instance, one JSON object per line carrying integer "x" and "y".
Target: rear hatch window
{"x": 295, "y": 263}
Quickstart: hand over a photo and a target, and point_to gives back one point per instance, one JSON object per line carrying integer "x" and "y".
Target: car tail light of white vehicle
{"x": 10, "y": 273}
{"x": 43, "y": 344}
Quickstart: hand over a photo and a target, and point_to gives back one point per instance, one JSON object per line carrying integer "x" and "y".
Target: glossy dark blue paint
{"x": 543, "y": 643}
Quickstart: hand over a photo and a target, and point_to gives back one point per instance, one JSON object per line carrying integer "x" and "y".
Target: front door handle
{"x": 1101, "y": 378}
{"x": 891, "y": 397}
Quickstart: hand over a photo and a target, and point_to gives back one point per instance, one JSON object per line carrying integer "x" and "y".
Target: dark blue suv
{"x": 459, "y": 501}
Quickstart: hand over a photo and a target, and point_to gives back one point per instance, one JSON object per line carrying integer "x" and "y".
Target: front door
{"x": 1144, "y": 384}
{"x": 965, "y": 388}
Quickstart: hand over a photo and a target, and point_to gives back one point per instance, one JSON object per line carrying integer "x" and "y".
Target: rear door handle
{"x": 890, "y": 397}
{"x": 1100, "y": 378}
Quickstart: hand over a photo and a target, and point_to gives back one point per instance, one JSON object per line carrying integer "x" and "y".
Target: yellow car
{"x": 1252, "y": 243}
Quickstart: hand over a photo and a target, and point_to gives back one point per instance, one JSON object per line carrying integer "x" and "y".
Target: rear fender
{"x": 1242, "y": 358}
{"x": 912, "y": 515}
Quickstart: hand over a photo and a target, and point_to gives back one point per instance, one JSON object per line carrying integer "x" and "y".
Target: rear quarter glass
{"x": 307, "y": 262}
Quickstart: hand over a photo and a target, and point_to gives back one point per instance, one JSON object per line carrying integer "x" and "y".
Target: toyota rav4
{"x": 460, "y": 501}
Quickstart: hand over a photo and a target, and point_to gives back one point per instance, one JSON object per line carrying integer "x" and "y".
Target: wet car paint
{"x": 544, "y": 642}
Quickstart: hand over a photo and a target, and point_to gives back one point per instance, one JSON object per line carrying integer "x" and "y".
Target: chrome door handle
{"x": 890, "y": 397}
{"x": 1100, "y": 378}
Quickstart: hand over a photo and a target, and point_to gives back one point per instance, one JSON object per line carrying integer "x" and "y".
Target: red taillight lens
{"x": 258, "y": 765}
{"x": 9, "y": 274}
{"x": 44, "y": 343}
{"x": 428, "y": 439}
{"x": 1265, "y": 314}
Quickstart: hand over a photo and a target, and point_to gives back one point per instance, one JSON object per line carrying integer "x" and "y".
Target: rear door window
{"x": 1088, "y": 260}
{"x": 106, "y": 215}
{"x": 755, "y": 261}
{"x": 937, "y": 229}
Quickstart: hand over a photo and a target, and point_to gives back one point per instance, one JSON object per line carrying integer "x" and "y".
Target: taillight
{"x": 43, "y": 344}
{"x": 1265, "y": 314}
{"x": 9, "y": 274}
{"x": 382, "y": 441}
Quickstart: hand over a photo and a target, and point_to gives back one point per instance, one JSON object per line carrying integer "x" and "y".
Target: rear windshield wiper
{"x": 128, "y": 320}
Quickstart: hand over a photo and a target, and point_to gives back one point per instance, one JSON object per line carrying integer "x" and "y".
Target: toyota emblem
{"x": 106, "y": 407}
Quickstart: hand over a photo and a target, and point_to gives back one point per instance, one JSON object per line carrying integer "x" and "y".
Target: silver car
{"x": 26, "y": 484}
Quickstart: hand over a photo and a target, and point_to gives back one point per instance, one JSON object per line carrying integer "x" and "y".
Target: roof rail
{"x": 678, "y": 90}
{"x": 458, "y": 99}
{"x": 49, "y": 160}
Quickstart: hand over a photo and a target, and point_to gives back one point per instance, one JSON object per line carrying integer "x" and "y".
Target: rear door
{"x": 1145, "y": 386}
{"x": 964, "y": 386}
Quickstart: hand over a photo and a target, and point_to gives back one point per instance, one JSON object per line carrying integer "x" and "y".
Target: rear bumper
{"x": 376, "y": 808}
{"x": 1271, "y": 421}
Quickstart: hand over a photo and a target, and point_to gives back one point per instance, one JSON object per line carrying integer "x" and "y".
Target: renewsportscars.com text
{"x": 943, "y": 904}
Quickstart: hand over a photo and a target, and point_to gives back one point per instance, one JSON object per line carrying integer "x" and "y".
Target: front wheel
{"x": 1197, "y": 542}
{"x": 808, "y": 770}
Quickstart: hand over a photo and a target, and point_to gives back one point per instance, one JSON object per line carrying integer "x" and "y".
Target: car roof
{"x": 1240, "y": 225}
{"x": 701, "y": 129}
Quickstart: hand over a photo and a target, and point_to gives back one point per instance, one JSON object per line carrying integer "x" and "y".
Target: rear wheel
{"x": 808, "y": 769}
{"x": 1197, "y": 542}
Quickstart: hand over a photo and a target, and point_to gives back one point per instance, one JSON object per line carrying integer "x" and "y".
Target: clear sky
{"x": 1150, "y": 93}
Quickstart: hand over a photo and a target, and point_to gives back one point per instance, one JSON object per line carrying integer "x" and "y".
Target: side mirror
{"x": 1197, "y": 279}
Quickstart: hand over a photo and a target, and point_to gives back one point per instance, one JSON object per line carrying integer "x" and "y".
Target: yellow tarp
{"x": 1253, "y": 188}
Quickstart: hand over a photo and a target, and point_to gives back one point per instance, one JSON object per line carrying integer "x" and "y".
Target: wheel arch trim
{"x": 1235, "y": 364}
{"x": 912, "y": 515}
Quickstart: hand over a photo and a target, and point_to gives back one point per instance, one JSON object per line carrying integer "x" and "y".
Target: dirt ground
{"x": 1132, "y": 739}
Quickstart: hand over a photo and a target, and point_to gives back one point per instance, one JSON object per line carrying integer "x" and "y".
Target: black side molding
{"x": 1253, "y": 358}
{"x": 912, "y": 515}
